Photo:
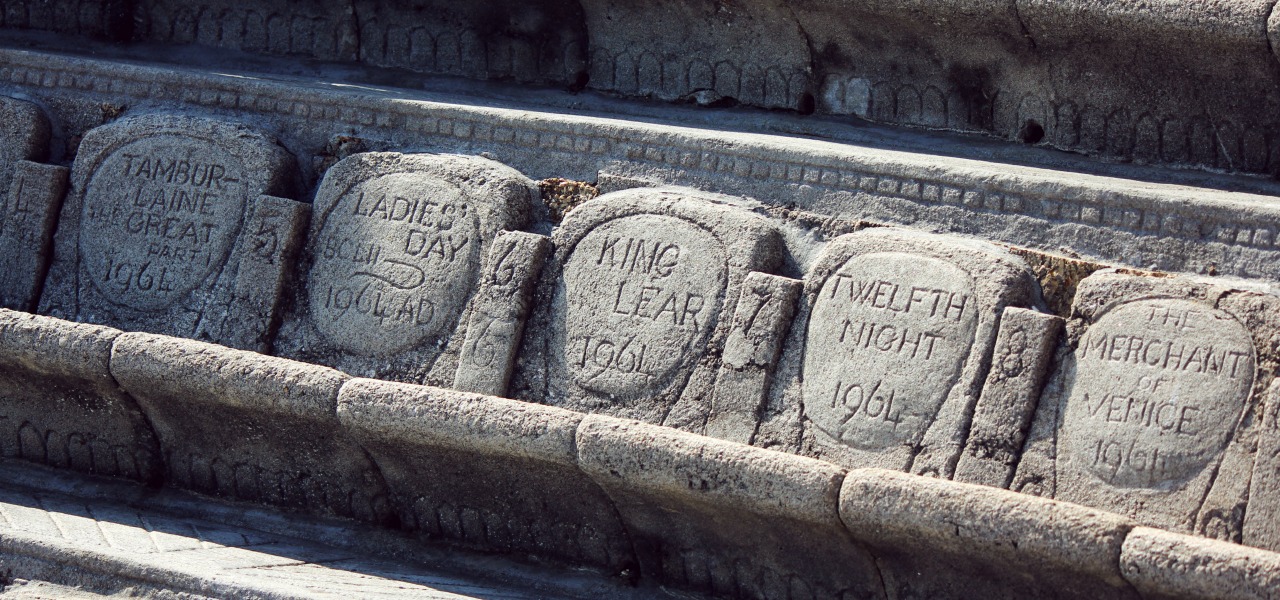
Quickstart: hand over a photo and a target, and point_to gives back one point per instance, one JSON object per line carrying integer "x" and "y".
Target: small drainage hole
{"x": 1031, "y": 133}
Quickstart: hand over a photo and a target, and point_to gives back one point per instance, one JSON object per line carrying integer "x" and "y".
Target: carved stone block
{"x": 170, "y": 228}
{"x": 898, "y": 330}
{"x": 639, "y": 299}
{"x": 1152, "y": 410}
{"x": 394, "y": 258}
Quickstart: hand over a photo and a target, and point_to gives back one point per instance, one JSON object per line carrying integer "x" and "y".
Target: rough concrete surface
{"x": 980, "y": 542}
{"x": 241, "y": 425}
{"x": 724, "y": 518}
{"x": 62, "y": 407}
{"x": 489, "y": 473}
{"x": 81, "y": 539}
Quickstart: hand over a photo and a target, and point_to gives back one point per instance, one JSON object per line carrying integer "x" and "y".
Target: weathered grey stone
{"x": 496, "y": 326}
{"x": 33, "y": 195}
{"x": 942, "y": 539}
{"x": 1024, "y": 348}
{"x": 27, "y": 223}
{"x": 241, "y": 425}
{"x": 700, "y": 52}
{"x": 637, "y": 302}
{"x": 59, "y": 404}
{"x": 720, "y": 517}
{"x": 24, "y": 135}
{"x": 760, "y": 323}
{"x": 1164, "y": 566}
{"x": 1261, "y": 525}
{"x": 170, "y": 228}
{"x": 1151, "y": 411}
{"x": 487, "y": 472}
{"x": 395, "y": 254}
{"x": 897, "y": 329}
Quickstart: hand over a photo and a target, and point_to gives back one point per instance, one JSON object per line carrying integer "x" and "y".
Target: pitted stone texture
{"x": 250, "y": 427}
{"x": 494, "y": 474}
{"x": 24, "y": 135}
{"x": 892, "y": 344}
{"x": 496, "y": 325}
{"x": 638, "y": 301}
{"x": 394, "y": 257}
{"x": 169, "y": 228}
{"x": 1167, "y": 566}
{"x": 946, "y": 540}
{"x": 59, "y": 404}
{"x": 30, "y": 195}
{"x": 1024, "y": 348}
{"x": 760, "y": 324}
{"x": 724, "y": 518}
{"x": 28, "y": 218}
{"x": 1151, "y": 412}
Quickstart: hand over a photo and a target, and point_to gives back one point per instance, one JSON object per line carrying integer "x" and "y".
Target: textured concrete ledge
{"x": 491, "y": 473}
{"x": 1164, "y": 565}
{"x": 724, "y": 518}
{"x": 62, "y": 407}
{"x": 1134, "y": 223}
{"x": 695, "y": 513}
{"x": 1054, "y": 547}
{"x": 241, "y": 425}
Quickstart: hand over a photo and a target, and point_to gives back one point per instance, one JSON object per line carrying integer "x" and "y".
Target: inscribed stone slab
{"x": 394, "y": 257}
{"x": 29, "y": 207}
{"x": 1151, "y": 406}
{"x": 898, "y": 330}
{"x": 167, "y": 220}
{"x": 637, "y": 300}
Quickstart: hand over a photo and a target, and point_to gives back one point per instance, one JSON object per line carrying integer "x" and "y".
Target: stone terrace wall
{"x": 638, "y": 500}
{"x": 707, "y": 384}
{"x": 1165, "y": 82}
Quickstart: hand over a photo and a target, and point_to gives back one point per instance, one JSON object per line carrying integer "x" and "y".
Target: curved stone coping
{"x": 695, "y": 512}
{"x": 1149, "y": 225}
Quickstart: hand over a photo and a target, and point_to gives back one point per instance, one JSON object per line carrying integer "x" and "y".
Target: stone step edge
{"x": 962, "y": 195}
{"x": 877, "y": 507}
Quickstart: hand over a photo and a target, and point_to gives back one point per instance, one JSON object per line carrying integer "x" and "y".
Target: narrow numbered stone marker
{"x": 751, "y": 351}
{"x": 32, "y": 197}
{"x": 497, "y": 323}
{"x": 394, "y": 259}
{"x": 163, "y": 223}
